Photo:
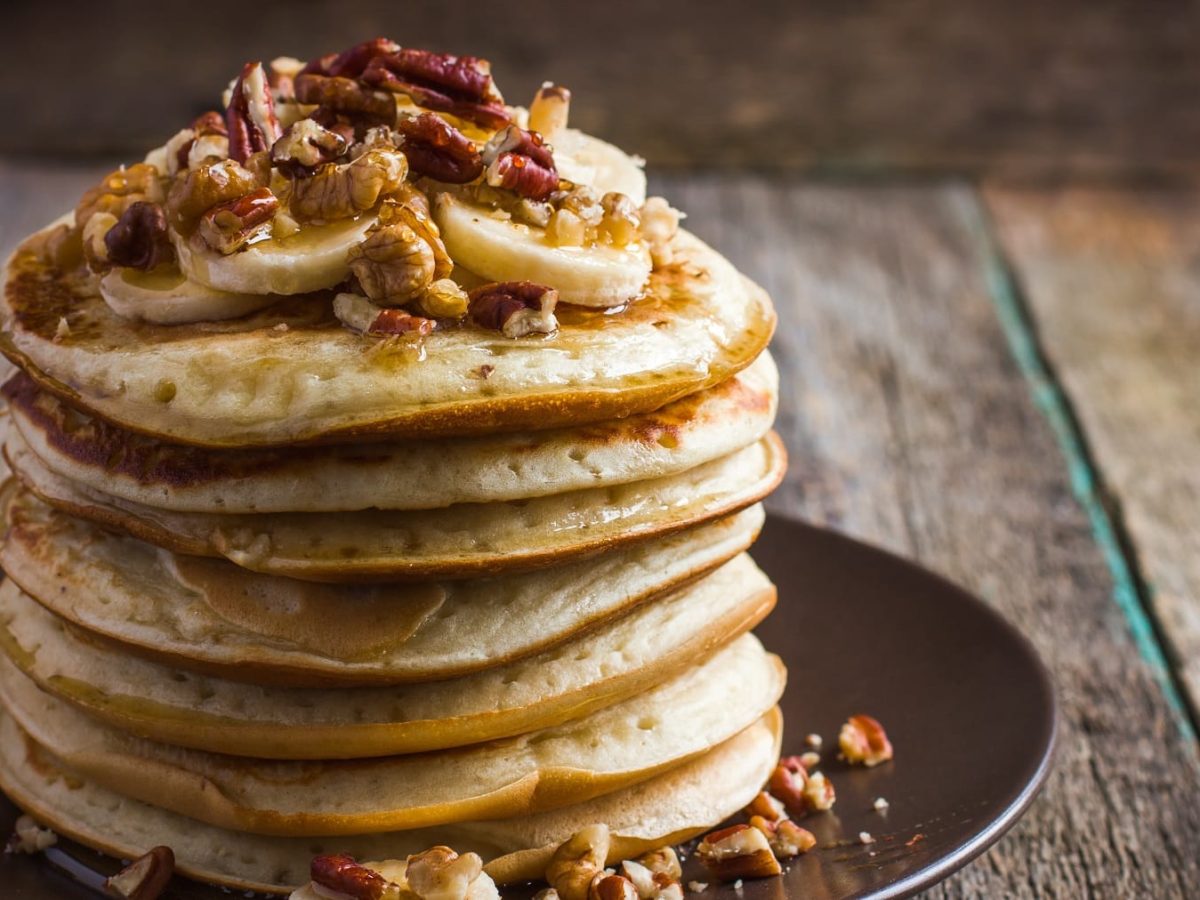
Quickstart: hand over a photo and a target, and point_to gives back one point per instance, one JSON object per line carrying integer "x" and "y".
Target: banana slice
{"x": 503, "y": 250}
{"x": 312, "y": 259}
{"x": 168, "y": 298}
{"x": 584, "y": 159}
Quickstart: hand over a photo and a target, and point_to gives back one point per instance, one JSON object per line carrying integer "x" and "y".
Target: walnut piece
{"x": 228, "y": 226}
{"x": 305, "y": 145}
{"x": 145, "y": 878}
{"x": 341, "y": 190}
{"x": 577, "y": 862}
{"x": 198, "y": 190}
{"x": 250, "y": 115}
{"x": 139, "y": 238}
{"x": 549, "y": 110}
{"x": 739, "y": 851}
{"x": 459, "y": 85}
{"x": 438, "y": 150}
{"x": 516, "y": 308}
{"x": 119, "y": 190}
{"x": 519, "y": 161}
{"x": 863, "y": 741}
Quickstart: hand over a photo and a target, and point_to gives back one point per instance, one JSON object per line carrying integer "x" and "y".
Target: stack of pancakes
{"x": 277, "y": 590}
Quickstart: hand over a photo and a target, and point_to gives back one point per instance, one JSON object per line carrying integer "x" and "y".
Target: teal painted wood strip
{"x": 1020, "y": 331}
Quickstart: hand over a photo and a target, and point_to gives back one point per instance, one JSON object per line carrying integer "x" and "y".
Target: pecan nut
{"x": 516, "y": 308}
{"x": 347, "y": 97}
{"x": 739, "y": 851}
{"x": 230, "y": 225}
{"x": 119, "y": 190}
{"x": 306, "y": 144}
{"x": 786, "y": 838}
{"x": 250, "y": 115}
{"x": 549, "y": 110}
{"x": 520, "y": 161}
{"x": 197, "y": 190}
{"x": 393, "y": 264}
{"x": 787, "y": 783}
{"x": 343, "y": 873}
{"x": 863, "y": 741}
{"x": 459, "y": 85}
{"x": 663, "y": 862}
{"x": 441, "y": 873}
{"x": 145, "y": 878}
{"x": 359, "y": 314}
{"x": 340, "y": 190}
{"x": 767, "y": 806}
{"x": 207, "y": 138}
{"x": 351, "y": 62}
{"x": 612, "y": 887}
{"x": 437, "y": 149}
{"x": 139, "y": 238}
{"x": 577, "y": 862}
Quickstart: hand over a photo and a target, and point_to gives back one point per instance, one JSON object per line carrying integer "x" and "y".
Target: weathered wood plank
{"x": 911, "y": 426}
{"x": 1075, "y": 86}
{"x": 1110, "y": 276}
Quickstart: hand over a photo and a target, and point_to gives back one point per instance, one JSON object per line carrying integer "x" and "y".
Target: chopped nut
{"x": 441, "y": 874}
{"x": 347, "y": 97}
{"x": 306, "y": 145}
{"x": 811, "y": 740}
{"x": 810, "y": 760}
{"x": 566, "y": 229}
{"x": 672, "y": 891}
{"x": 663, "y": 862}
{"x": 578, "y": 861}
{"x": 250, "y": 114}
{"x": 533, "y": 212}
{"x": 459, "y": 85}
{"x": 880, "y": 805}
{"x": 612, "y": 887}
{"x": 145, "y": 878}
{"x": 864, "y": 837}
{"x": 30, "y": 837}
{"x": 516, "y": 308}
{"x": 95, "y": 249}
{"x": 819, "y": 793}
{"x": 864, "y": 742}
{"x": 342, "y": 873}
{"x": 519, "y": 161}
{"x": 199, "y": 189}
{"x": 360, "y": 314}
{"x": 787, "y": 839}
{"x": 549, "y": 110}
{"x": 119, "y": 190}
{"x": 660, "y": 223}
{"x": 787, "y": 783}
{"x": 230, "y": 225}
{"x": 444, "y": 299}
{"x": 139, "y": 238}
{"x": 621, "y": 219}
{"x": 438, "y": 150}
{"x": 738, "y": 852}
{"x": 585, "y": 202}
{"x": 339, "y": 191}
{"x": 770, "y": 808}
{"x": 393, "y": 264}
{"x": 640, "y": 877}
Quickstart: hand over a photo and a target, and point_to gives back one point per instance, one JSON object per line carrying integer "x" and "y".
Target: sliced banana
{"x": 502, "y": 250}
{"x": 312, "y": 259}
{"x": 168, "y": 298}
{"x": 584, "y": 159}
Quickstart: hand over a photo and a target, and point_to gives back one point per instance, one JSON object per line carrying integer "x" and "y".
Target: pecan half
{"x": 338, "y": 191}
{"x": 359, "y": 314}
{"x": 250, "y": 115}
{"x": 437, "y": 149}
{"x": 209, "y": 138}
{"x": 459, "y": 85}
{"x": 739, "y": 851}
{"x": 145, "y": 878}
{"x": 787, "y": 784}
{"x": 577, "y": 862}
{"x": 516, "y": 308}
{"x": 305, "y": 145}
{"x": 520, "y": 161}
{"x": 393, "y": 264}
{"x": 341, "y": 872}
{"x": 663, "y": 862}
{"x": 863, "y": 741}
{"x": 229, "y": 225}
{"x": 786, "y": 838}
{"x": 612, "y": 887}
{"x": 397, "y": 321}
{"x": 139, "y": 238}
{"x": 351, "y": 62}
{"x": 197, "y": 190}
{"x": 119, "y": 190}
{"x": 347, "y": 97}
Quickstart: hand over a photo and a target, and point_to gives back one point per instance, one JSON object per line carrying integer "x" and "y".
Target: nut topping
{"x": 350, "y": 63}
{"x": 139, "y": 238}
{"x": 342, "y": 873}
{"x": 520, "y": 161}
{"x": 663, "y": 862}
{"x": 549, "y": 110}
{"x": 30, "y": 837}
{"x": 612, "y": 887}
{"x": 339, "y": 191}
{"x": 659, "y": 224}
{"x": 577, "y": 862}
{"x": 819, "y": 794}
{"x": 441, "y": 874}
{"x": 770, "y": 808}
{"x": 787, "y": 783}
{"x": 145, "y": 878}
{"x": 200, "y": 189}
{"x": 250, "y": 115}
{"x": 230, "y": 225}
{"x": 516, "y": 308}
{"x": 459, "y": 85}
{"x": 119, "y": 190}
{"x": 787, "y": 839}
{"x": 863, "y": 741}
{"x": 393, "y": 263}
{"x": 358, "y": 313}
{"x": 438, "y": 150}
{"x": 347, "y": 97}
{"x": 738, "y": 852}
{"x": 306, "y": 145}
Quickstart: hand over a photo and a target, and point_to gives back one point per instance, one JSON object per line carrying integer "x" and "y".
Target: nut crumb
{"x": 813, "y": 740}
{"x": 880, "y": 805}
{"x": 864, "y": 837}
{"x": 30, "y": 837}
{"x": 737, "y": 885}
{"x": 697, "y": 887}
{"x": 810, "y": 760}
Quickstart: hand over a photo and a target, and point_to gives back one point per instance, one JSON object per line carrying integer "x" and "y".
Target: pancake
{"x": 292, "y": 373}
{"x": 174, "y": 706}
{"x": 565, "y": 764}
{"x": 468, "y": 540}
{"x": 670, "y": 808}
{"x": 409, "y": 475}
{"x": 213, "y": 616}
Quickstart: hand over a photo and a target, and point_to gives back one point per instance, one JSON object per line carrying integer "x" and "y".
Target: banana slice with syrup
{"x": 169, "y": 298}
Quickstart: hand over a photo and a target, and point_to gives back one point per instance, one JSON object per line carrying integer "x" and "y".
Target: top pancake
{"x": 293, "y": 374}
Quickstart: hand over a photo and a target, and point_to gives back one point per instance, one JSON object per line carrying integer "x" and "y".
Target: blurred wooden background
{"x": 1090, "y": 87}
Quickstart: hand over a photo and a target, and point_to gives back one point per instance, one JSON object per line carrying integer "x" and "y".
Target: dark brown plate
{"x": 965, "y": 700}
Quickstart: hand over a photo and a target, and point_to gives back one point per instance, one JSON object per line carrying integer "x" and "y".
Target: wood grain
{"x": 1112, "y": 278}
{"x": 910, "y": 425}
{"x": 1075, "y": 86}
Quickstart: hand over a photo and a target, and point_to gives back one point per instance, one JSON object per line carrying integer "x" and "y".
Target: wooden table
{"x": 1001, "y": 383}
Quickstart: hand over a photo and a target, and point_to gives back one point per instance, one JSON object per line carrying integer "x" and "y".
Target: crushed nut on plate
{"x": 863, "y": 741}
{"x": 145, "y": 878}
